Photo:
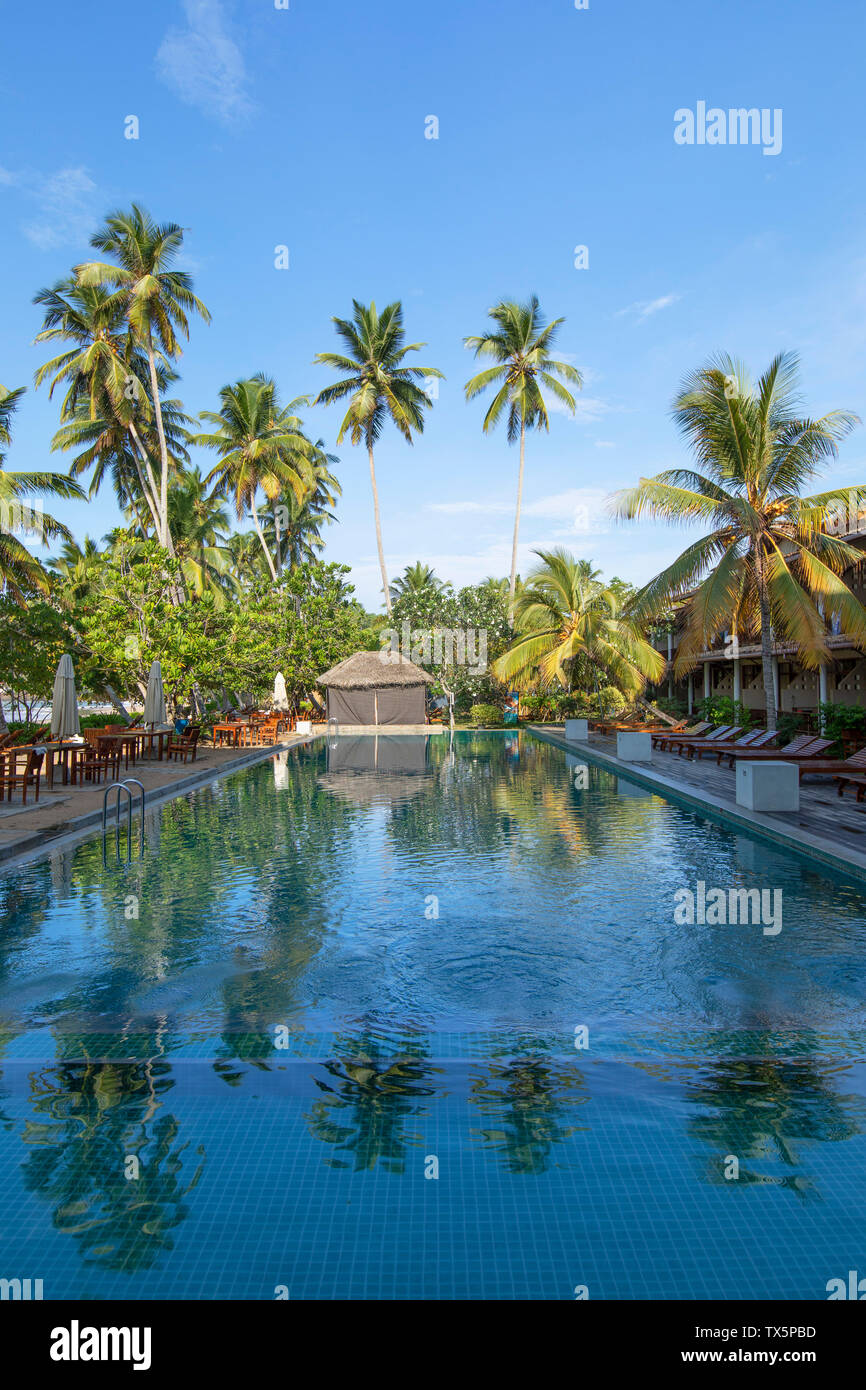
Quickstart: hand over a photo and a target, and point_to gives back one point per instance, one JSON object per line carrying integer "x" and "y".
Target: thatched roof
{"x": 373, "y": 670}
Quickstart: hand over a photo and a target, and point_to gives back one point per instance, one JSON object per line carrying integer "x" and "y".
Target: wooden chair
{"x": 701, "y": 730}
{"x": 103, "y": 756}
{"x": 803, "y": 746}
{"x": 183, "y": 746}
{"x": 28, "y": 776}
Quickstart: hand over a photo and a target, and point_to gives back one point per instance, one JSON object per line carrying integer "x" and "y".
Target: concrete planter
{"x": 304, "y": 726}
{"x": 634, "y": 747}
{"x": 768, "y": 786}
{"x": 577, "y": 730}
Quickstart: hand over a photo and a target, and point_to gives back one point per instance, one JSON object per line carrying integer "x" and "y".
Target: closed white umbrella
{"x": 154, "y": 700}
{"x": 281, "y": 698}
{"x": 64, "y": 705}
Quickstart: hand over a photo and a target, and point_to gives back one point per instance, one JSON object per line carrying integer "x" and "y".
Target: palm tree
{"x": 296, "y": 534}
{"x": 106, "y": 374}
{"x": 260, "y": 445}
{"x": 77, "y": 568}
{"x": 246, "y": 561}
{"x": 416, "y": 579}
{"x": 19, "y": 570}
{"x": 199, "y": 523}
{"x": 379, "y": 387}
{"x": 767, "y": 566}
{"x": 570, "y": 626}
{"x": 155, "y": 301}
{"x": 520, "y": 346}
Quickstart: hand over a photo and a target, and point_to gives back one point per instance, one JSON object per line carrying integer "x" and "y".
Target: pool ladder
{"x": 120, "y": 787}
{"x": 333, "y": 731}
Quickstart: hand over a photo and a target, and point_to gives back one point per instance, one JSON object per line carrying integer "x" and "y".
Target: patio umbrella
{"x": 281, "y": 699}
{"x": 154, "y": 701}
{"x": 64, "y": 705}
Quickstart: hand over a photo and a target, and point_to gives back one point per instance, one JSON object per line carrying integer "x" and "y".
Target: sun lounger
{"x": 729, "y": 736}
{"x": 695, "y": 731}
{"x": 827, "y": 767}
{"x": 680, "y": 741}
{"x": 749, "y": 740}
{"x": 760, "y": 738}
{"x": 800, "y": 745}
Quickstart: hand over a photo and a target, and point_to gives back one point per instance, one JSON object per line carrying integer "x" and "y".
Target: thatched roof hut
{"x": 376, "y": 688}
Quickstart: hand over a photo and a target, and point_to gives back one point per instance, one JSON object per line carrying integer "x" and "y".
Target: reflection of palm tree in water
{"x": 766, "y": 1109}
{"x": 90, "y": 1118}
{"x": 364, "y": 1113}
{"x": 529, "y": 1096}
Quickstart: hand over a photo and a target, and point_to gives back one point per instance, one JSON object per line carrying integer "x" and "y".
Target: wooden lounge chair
{"x": 693, "y": 731}
{"x": 858, "y": 782}
{"x": 673, "y": 741}
{"x": 711, "y": 741}
{"x": 760, "y": 738}
{"x": 798, "y": 745}
{"x": 13, "y": 774}
{"x": 827, "y": 767}
{"x": 697, "y": 750}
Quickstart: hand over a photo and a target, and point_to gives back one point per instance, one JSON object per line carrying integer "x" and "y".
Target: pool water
{"x": 414, "y": 1018}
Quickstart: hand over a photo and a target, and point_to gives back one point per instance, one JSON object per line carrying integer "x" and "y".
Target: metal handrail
{"x": 123, "y": 787}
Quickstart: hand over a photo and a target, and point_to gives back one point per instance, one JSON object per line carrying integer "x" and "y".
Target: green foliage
{"x": 721, "y": 709}
{"x": 479, "y": 612}
{"x": 486, "y": 716}
{"x": 33, "y": 637}
{"x": 837, "y": 720}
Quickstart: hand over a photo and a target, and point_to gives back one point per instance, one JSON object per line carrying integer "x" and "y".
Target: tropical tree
{"x": 520, "y": 346}
{"x": 294, "y": 528}
{"x": 105, "y": 376}
{"x": 260, "y": 445}
{"x": 416, "y": 579}
{"x": 199, "y": 523}
{"x": 767, "y": 566}
{"x": 570, "y": 628}
{"x": 378, "y": 387}
{"x": 155, "y": 301}
{"x": 21, "y": 572}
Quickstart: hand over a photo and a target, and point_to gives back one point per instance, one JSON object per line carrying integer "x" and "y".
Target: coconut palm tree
{"x": 378, "y": 387}
{"x": 19, "y": 570}
{"x": 77, "y": 567}
{"x": 570, "y": 627}
{"x": 106, "y": 374}
{"x": 155, "y": 301}
{"x": 416, "y": 579}
{"x": 293, "y": 530}
{"x": 260, "y": 445}
{"x": 767, "y": 567}
{"x": 246, "y": 562}
{"x": 520, "y": 345}
{"x": 199, "y": 523}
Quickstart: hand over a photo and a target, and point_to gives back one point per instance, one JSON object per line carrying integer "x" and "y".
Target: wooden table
{"x": 232, "y": 727}
{"x": 147, "y": 736}
{"x": 70, "y": 753}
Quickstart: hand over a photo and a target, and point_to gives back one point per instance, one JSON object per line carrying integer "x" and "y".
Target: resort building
{"x": 733, "y": 668}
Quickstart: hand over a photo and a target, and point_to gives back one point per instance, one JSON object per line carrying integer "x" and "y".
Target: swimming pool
{"x": 406, "y": 1018}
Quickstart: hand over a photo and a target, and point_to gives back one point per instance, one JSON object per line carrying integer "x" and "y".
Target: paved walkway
{"x": 827, "y": 826}
{"x": 70, "y": 810}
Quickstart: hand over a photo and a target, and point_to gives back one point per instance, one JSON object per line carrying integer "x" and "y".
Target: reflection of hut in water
{"x": 381, "y": 767}
{"x": 376, "y": 688}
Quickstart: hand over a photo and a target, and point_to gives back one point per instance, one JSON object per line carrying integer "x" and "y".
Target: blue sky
{"x": 306, "y": 127}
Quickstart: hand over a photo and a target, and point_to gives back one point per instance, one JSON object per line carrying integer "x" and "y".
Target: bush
{"x": 837, "y": 720}
{"x": 721, "y": 709}
{"x": 486, "y": 715}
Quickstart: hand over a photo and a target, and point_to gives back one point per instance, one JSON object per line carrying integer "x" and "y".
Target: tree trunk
{"x": 385, "y": 585}
{"x": 149, "y": 487}
{"x": 261, "y": 536}
{"x": 766, "y": 646}
{"x": 278, "y": 542}
{"x": 117, "y": 703}
{"x": 163, "y": 451}
{"x": 513, "y": 583}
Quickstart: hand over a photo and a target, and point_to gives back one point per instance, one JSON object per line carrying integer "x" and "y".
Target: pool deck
{"x": 70, "y": 812}
{"x": 827, "y": 827}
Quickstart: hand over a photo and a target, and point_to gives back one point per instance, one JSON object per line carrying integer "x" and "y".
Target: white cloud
{"x": 66, "y": 204}
{"x": 645, "y": 308}
{"x": 204, "y": 66}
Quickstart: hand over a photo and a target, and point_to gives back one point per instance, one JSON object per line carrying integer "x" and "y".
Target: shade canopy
{"x": 64, "y": 704}
{"x": 154, "y": 700}
{"x": 376, "y": 688}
